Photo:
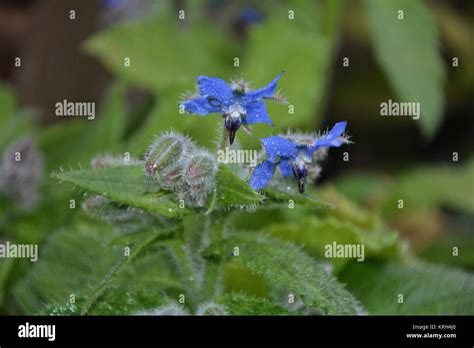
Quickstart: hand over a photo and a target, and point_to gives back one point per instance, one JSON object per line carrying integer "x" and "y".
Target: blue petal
{"x": 331, "y": 139}
{"x": 259, "y": 94}
{"x": 256, "y": 113}
{"x": 279, "y": 147}
{"x": 286, "y": 168}
{"x": 217, "y": 88}
{"x": 200, "y": 106}
{"x": 262, "y": 175}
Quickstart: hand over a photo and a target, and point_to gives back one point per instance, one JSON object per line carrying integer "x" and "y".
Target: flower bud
{"x": 199, "y": 168}
{"x": 198, "y": 174}
{"x": 164, "y": 157}
{"x": 171, "y": 178}
{"x": 169, "y": 309}
{"x": 165, "y": 152}
{"x": 20, "y": 172}
{"x": 211, "y": 308}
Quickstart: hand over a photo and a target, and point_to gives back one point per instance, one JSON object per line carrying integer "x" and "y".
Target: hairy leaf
{"x": 243, "y": 304}
{"x": 233, "y": 191}
{"x": 297, "y": 199}
{"x": 72, "y": 261}
{"x": 426, "y": 288}
{"x": 114, "y": 301}
{"x": 288, "y": 268}
{"x": 80, "y": 261}
{"x": 318, "y": 235}
{"x": 127, "y": 185}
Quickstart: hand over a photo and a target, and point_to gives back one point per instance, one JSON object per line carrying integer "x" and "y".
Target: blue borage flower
{"x": 294, "y": 154}
{"x": 235, "y": 102}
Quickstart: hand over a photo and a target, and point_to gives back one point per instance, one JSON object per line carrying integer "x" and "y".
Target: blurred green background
{"x": 427, "y": 162}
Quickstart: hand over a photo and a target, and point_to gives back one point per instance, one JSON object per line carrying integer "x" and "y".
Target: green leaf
{"x": 237, "y": 278}
{"x": 112, "y": 276}
{"x": 330, "y": 203}
{"x": 346, "y": 210}
{"x": 427, "y": 289}
{"x": 288, "y": 268}
{"x": 408, "y": 51}
{"x": 441, "y": 251}
{"x": 316, "y": 234}
{"x": 73, "y": 260}
{"x": 162, "y": 52}
{"x": 429, "y": 187}
{"x": 5, "y": 267}
{"x": 299, "y": 200}
{"x": 127, "y": 185}
{"x": 365, "y": 187}
{"x": 233, "y": 191}
{"x": 81, "y": 261}
{"x": 422, "y": 188}
{"x": 114, "y": 301}
{"x": 130, "y": 186}
{"x": 242, "y": 304}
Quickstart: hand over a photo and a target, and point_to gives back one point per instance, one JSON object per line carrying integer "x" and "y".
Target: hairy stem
{"x": 120, "y": 266}
{"x": 213, "y": 270}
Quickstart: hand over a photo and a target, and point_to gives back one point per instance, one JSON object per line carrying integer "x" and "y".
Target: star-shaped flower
{"x": 235, "y": 102}
{"x": 294, "y": 154}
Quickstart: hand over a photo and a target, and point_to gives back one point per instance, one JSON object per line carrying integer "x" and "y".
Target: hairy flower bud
{"x": 211, "y": 308}
{"x": 198, "y": 174}
{"x": 164, "y": 156}
{"x": 172, "y": 177}
{"x": 168, "y": 309}
{"x": 20, "y": 172}
{"x": 199, "y": 168}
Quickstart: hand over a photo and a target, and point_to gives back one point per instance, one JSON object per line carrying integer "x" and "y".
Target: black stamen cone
{"x": 301, "y": 185}
{"x": 300, "y": 172}
{"x": 232, "y": 125}
{"x": 231, "y": 137}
